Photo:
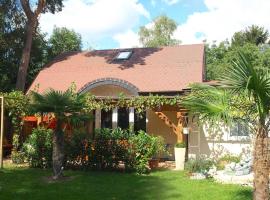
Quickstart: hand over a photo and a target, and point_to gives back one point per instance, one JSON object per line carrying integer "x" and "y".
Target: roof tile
{"x": 161, "y": 69}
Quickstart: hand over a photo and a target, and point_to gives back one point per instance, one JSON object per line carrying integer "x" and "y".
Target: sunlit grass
{"x": 24, "y": 183}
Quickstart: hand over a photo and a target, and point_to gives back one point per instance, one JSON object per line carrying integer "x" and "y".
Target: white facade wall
{"x": 216, "y": 142}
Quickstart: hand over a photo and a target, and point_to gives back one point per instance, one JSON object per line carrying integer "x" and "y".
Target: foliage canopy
{"x": 160, "y": 33}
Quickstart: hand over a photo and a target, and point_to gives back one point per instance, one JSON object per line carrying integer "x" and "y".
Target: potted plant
{"x": 179, "y": 153}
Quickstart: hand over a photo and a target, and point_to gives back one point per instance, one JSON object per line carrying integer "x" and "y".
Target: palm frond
{"x": 242, "y": 76}
{"x": 58, "y": 101}
{"x": 210, "y": 103}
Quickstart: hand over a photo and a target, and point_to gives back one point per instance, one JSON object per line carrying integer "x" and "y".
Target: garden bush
{"x": 142, "y": 148}
{"x": 109, "y": 148}
{"x": 201, "y": 164}
{"x": 226, "y": 159}
{"x": 17, "y": 157}
{"x": 38, "y": 148}
{"x": 105, "y": 151}
{"x": 78, "y": 149}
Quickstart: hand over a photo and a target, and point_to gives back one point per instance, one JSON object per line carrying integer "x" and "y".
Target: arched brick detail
{"x": 110, "y": 81}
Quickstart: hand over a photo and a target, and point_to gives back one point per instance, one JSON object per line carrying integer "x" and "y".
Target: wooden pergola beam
{"x": 166, "y": 120}
{"x": 176, "y": 128}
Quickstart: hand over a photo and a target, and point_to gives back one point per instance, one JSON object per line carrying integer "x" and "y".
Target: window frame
{"x": 125, "y": 58}
{"x": 121, "y": 112}
{"x": 241, "y": 126}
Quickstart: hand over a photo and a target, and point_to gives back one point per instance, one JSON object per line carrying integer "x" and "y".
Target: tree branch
{"x": 40, "y": 7}
{"x": 27, "y": 9}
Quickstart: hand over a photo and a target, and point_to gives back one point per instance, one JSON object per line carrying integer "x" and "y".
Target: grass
{"x": 24, "y": 183}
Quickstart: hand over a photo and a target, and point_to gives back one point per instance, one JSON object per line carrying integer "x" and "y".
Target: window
{"x": 140, "y": 122}
{"x": 123, "y": 55}
{"x": 123, "y": 118}
{"x": 239, "y": 129}
{"x": 106, "y": 119}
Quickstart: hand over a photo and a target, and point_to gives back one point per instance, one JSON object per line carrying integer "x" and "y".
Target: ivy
{"x": 140, "y": 103}
{"x": 16, "y": 107}
{"x": 17, "y": 104}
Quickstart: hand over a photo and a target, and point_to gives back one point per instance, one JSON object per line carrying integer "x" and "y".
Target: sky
{"x": 106, "y": 24}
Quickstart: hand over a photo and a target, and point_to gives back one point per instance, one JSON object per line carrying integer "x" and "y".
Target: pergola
{"x": 176, "y": 128}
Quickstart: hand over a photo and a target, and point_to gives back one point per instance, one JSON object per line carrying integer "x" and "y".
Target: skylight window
{"x": 123, "y": 55}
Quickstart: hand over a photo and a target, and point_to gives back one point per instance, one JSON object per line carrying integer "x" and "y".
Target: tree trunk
{"x": 58, "y": 151}
{"x": 261, "y": 166}
{"x": 22, "y": 73}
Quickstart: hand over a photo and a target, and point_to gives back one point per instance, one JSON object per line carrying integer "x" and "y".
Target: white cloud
{"x": 171, "y": 2}
{"x": 95, "y": 19}
{"x": 127, "y": 39}
{"x": 223, "y": 18}
{"x": 98, "y": 19}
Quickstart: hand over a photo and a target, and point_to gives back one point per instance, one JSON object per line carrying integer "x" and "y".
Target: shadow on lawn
{"x": 30, "y": 184}
{"x": 128, "y": 186}
{"x": 243, "y": 194}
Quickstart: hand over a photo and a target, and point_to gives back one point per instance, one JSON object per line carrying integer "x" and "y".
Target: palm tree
{"x": 244, "y": 92}
{"x": 63, "y": 105}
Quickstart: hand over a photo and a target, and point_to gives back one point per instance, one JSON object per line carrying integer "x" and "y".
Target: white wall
{"x": 216, "y": 142}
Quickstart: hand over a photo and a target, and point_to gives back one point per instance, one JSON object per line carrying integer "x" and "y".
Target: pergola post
{"x": 176, "y": 128}
{"x": 131, "y": 119}
{"x": 114, "y": 118}
{"x": 98, "y": 118}
{"x": 181, "y": 123}
{"x": 2, "y": 132}
{"x": 180, "y": 137}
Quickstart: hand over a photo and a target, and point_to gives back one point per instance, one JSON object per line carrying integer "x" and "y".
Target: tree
{"x": 244, "y": 92}
{"x": 64, "y": 105}
{"x": 64, "y": 40}
{"x": 32, "y": 16}
{"x": 159, "y": 34}
{"x": 219, "y": 57}
{"x": 215, "y": 59}
{"x": 251, "y": 41}
{"x": 12, "y": 37}
{"x": 253, "y": 34}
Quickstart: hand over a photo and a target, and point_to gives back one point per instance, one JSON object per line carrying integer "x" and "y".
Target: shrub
{"x": 17, "y": 157}
{"x": 109, "y": 148}
{"x": 38, "y": 148}
{"x": 226, "y": 159}
{"x": 142, "y": 148}
{"x": 78, "y": 149}
{"x": 16, "y": 106}
{"x": 201, "y": 164}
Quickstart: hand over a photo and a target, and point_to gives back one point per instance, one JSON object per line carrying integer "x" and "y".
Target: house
{"x": 164, "y": 71}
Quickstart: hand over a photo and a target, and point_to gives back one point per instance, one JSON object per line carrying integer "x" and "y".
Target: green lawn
{"x": 27, "y": 184}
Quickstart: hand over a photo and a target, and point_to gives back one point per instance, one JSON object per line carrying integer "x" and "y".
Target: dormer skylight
{"x": 123, "y": 55}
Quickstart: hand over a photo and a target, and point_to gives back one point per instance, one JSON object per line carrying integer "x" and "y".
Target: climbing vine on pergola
{"x": 140, "y": 103}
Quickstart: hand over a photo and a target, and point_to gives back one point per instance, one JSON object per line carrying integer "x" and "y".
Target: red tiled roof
{"x": 161, "y": 69}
